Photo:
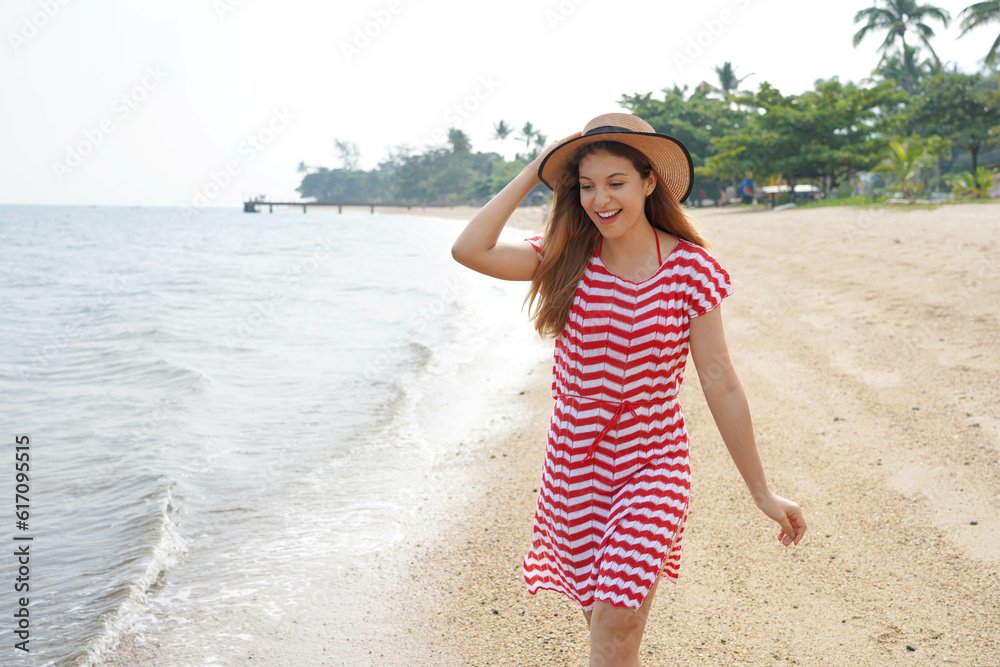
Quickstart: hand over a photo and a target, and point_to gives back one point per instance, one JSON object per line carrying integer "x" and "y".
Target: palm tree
{"x": 978, "y": 185}
{"x": 906, "y": 162}
{"x": 539, "y": 144}
{"x": 459, "y": 141}
{"x": 348, "y": 153}
{"x": 979, "y": 14}
{"x": 501, "y": 130}
{"x": 676, "y": 90}
{"x": 728, "y": 83}
{"x": 528, "y": 134}
{"x": 896, "y": 18}
{"x": 896, "y": 67}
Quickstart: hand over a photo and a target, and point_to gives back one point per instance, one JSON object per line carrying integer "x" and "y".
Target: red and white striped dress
{"x": 616, "y": 479}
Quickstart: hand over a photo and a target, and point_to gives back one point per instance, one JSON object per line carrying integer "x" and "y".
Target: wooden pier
{"x": 251, "y": 205}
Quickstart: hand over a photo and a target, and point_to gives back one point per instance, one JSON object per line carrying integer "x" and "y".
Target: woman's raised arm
{"x": 478, "y": 247}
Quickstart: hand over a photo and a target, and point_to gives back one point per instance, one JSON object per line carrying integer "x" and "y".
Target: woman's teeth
{"x": 609, "y": 216}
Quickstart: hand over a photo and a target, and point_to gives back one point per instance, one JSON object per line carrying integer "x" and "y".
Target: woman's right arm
{"x": 478, "y": 246}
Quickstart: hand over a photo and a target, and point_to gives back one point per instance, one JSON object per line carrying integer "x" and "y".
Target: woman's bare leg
{"x": 616, "y": 632}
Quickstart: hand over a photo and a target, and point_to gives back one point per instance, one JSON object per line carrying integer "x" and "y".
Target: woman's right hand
{"x": 537, "y": 162}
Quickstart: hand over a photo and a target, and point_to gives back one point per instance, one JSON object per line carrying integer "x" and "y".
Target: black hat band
{"x": 609, "y": 128}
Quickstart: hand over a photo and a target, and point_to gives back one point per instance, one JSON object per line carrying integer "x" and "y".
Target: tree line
{"x": 915, "y": 121}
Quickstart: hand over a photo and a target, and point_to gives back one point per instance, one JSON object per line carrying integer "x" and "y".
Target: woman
{"x": 622, "y": 279}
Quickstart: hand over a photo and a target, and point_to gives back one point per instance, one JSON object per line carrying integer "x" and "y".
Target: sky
{"x": 205, "y": 103}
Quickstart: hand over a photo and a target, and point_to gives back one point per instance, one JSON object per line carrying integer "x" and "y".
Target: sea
{"x": 200, "y": 398}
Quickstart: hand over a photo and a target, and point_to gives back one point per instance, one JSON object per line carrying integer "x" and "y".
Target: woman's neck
{"x": 632, "y": 246}
{"x": 633, "y": 255}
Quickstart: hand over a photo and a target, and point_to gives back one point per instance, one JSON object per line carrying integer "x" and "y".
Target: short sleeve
{"x": 536, "y": 243}
{"x": 706, "y": 282}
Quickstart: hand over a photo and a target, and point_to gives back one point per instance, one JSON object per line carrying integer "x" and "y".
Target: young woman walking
{"x": 623, "y": 280}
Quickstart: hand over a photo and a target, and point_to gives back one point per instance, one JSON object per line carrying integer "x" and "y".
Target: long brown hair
{"x": 571, "y": 237}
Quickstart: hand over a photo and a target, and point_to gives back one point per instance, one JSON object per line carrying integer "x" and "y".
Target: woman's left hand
{"x": 788, "y": 515}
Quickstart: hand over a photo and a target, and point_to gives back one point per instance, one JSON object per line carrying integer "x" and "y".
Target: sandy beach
{"x": 866, "y": 341}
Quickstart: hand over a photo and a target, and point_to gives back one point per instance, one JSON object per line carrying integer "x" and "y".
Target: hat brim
{"x": 668, "y": 157}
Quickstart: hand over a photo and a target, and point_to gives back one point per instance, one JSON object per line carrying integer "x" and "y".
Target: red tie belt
{"x": 623, "y": 406}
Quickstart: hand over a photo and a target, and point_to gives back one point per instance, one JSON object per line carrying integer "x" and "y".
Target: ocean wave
{"x": 101, "y": 366}
{"x": 162, "y": 553}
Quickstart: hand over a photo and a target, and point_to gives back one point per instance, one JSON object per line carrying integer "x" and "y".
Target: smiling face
{"x": 613, "y": 193}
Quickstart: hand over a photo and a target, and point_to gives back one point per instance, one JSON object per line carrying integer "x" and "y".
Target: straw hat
{"x": 669, "y": 157}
